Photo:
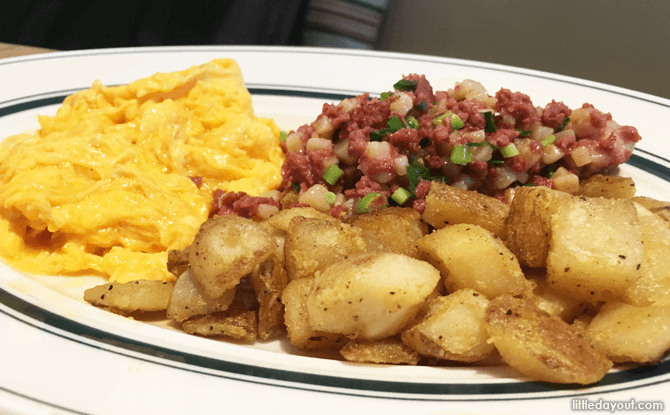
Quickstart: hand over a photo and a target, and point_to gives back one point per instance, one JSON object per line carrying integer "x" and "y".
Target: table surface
{"x": 8, "y": 50}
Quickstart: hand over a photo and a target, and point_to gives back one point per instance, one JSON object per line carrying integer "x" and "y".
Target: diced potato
{"x": 596, "y": 248}
{"x": 626, "y": 333}
{"x": 541, "y": 346}
{"x": 528, "y": 225}
{"x": 453, "y": 328}
{"x": 370, "y": 296}
{"x": 653, "y": 286}
{"x": 469, "y": 256}
{"x": 268, "y": 281}
{"x": 660, "y": 208}
{"x": 226, "y": 249}
{"x": 141, "y": 295}
{"x": 282, "y": 219}
{"x": 385, "y": 351}
{"x": 312, "y": 244}
{"x": 393, "y": 229}
{"x": 177, "y": 261}
{"x": 609, "y": 187}
{"x": 549, "y": 300}
{"x": 448, "y": 205}
{"x": 188, "y": 300}
{"x": 300, "y": 333}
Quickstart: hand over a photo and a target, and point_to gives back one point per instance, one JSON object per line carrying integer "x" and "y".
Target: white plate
{"x": 59, "y": 355}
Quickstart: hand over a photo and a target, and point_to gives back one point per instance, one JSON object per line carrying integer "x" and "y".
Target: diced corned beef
{"x": 364, "y": 186}
{"x": 541, "y": 181}
{"x": 423, "y": 90}
{"x": 336, "y": 114}
{"x": 519, "y": 106}
{"x": 239, "y": 203}
{"x": 469, "y": 113}
{"x": 617, "y": 146}
{"x": 407, "y": 139}
{"x": 358, "y": 140}
{"x": 297, "y": 168}
{"x": 502, "y": 137}
{"x": 478, "y": 168}
{"x": 422, "y": 188}
{"x": 306, "y": 131}
{"x": 374, "y": 114}
{"x": 554, "y": 113}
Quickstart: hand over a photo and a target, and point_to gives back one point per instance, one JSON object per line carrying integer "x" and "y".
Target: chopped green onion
{"x": 565, "y": 122}
{"x": 282, "y": 135}
{"x": 461, "y": 155}
{"x": 394, "y": 123}
{"x": 548, "y": 140}
{"x": 530, "y": 185}
{"x": 417, "y": 171}
{"x": 550, "y": 171}
{"x": 495, "y": 161}
{"x": 412, "y": 122}
{"x": 401, "y": 195}
{"x": 438, "y": 120}
{"x": 385, "y": 95}
{"x": 456, "y": 122}
{"x": 490, "y": 118}
{"x": 332, "y": 174}
{"x": 405, "y": 85}
{"x": 377, "y": 135}
{"x": 330, "y": 197}
{"x": 364, "y": 204}
{"x": 421, "y": 106}
{"x": 296, "y": 186}
{"x": 509, "y": 150}
{"x": 523, "y": 133}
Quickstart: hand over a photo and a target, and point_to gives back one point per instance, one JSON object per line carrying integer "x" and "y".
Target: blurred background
{"x": 618, "y": 42}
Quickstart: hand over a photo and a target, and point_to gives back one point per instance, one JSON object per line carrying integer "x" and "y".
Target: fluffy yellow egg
{"x": 105, "y": 186}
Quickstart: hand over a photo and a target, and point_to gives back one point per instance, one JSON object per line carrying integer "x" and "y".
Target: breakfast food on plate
{"x": 420, "y": 227}
{"x": 122, "y": 174}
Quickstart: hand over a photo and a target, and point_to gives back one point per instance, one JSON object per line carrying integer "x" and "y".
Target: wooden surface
{"x": 8, "y": 50}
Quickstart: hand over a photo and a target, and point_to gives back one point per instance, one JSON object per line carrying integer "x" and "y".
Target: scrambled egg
{"x": 105, "y": 186}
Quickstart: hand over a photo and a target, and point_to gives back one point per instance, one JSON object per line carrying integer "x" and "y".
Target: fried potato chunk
{"x": 596, "y": 248}
{"x": 226, "y": 249}
{"x": 660, "y": 208}
{"x": 653, "y": 286}
{"x": 188, "y": 300}
{"x": 546, "y": 298}
{"x": 177, "y": 262}
{"x": 283, "y": 218}
{"x": 469, "y": 256}
{"x": 541, "y": 346}
{"x": 626, "y": 333}
{"x": 300, "y": 332}
{"x": 393, "y": 229}
{"x": 385, "y": 351}
{"x": 528, "y": 224}
{"x": 609, "y": 187}
{"x": 140, "y": 295}
{"x": 453, "y": 328}
{"x": 370, "y": 296}
{"x": 234, "y": 323}
{"x": 239, "y": 321}
{"x": 312, "y": 244}
{"x": 268, "y": 281}
{"x": 448, "y": 205}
